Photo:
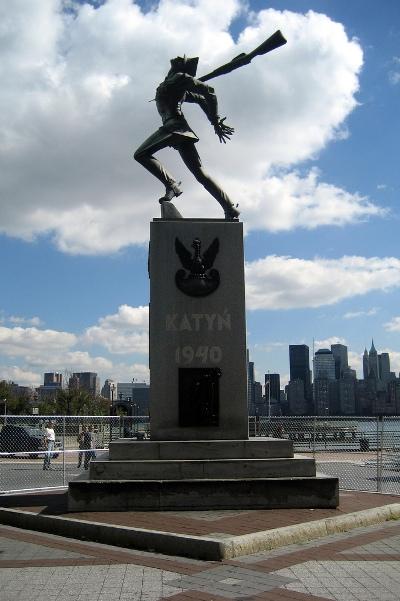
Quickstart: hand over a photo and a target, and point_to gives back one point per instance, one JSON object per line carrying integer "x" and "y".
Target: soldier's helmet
{"x": 185, "y": 65}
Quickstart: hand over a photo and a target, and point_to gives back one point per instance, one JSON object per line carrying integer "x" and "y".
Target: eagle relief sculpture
{"x": 197, "y": 278}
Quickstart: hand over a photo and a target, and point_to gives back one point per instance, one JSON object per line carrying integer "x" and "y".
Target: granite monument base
{"x": 191, "y": 475}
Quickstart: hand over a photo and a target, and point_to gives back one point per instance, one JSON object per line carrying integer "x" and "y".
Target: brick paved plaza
{"x": 359, "y": 565}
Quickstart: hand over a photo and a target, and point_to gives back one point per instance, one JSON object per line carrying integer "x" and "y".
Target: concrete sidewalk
{"x": 361, "y": 565}
{"x": 207, "y": 535}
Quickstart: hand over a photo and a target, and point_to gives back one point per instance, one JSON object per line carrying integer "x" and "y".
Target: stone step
{"x": 200, "y": 468}
{"x": 161, "y": 495}
{"x": 256, "y": 448}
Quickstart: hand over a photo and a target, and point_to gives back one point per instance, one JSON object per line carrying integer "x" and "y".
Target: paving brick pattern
{"x": 201, "y": 523}
{"x": 361, "y": 565}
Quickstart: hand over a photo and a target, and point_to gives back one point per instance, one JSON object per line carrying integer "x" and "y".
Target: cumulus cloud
{"x": 20, "y": 341}
{"x": 288, "y": 201}
{"x": 39, "y": 350}
{"x": 326, "y": 343}
{"x": 74, "y": 105}
{"x": 279, "y": 282}
{"x": 393, "y": 325}
{"x": 20, "y": 375}
{"x": 123, "y": 332}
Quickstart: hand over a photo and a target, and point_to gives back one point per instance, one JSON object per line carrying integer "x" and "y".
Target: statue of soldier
{"x": 181, "y": 85}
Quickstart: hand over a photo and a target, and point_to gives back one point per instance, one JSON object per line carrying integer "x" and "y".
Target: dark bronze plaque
{"x": 198, "y": 396}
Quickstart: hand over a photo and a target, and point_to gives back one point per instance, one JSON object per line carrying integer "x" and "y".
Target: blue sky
{"x": 313, "y": 164}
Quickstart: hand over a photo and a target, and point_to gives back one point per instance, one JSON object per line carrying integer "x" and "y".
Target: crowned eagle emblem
{"x": 197, "y": 278}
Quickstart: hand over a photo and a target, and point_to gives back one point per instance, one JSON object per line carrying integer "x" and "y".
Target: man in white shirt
{"x": 50, "y": 437}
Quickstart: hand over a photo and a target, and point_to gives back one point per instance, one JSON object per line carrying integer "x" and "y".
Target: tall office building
{"x": 53, "y": 379}
{"x": 324, "y": 365}
{"x": 299, "y": 360}
{"x": 297, "y": 403}
{"x": 109, "y": 390}
{"x": 365, "y": 364}
{"x": 52, "y": 384}
{"x": 373, "y": 362}
{"x": 339, "y": 352}
{"x": 274, "y": 383}
{"x": 384, "y": 367}
{"x": 250, "y": 387}
{"x": 86, "y": 380}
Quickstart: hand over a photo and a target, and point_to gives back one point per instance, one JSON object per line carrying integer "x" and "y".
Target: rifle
{"x": 274, "y": 41}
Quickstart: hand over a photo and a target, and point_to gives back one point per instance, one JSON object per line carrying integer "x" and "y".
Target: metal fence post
{"x": 63, "y": 453}
{"x": 379, "y": 421}
{"x": 314, "y": 432}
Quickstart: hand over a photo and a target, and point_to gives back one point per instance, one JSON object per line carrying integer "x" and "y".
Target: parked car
{"x": 22, "y": 439}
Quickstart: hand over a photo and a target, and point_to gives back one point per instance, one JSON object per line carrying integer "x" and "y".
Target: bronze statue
{"x": 181, "y": 85}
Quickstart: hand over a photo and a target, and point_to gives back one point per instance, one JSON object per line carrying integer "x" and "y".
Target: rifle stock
{"x": 274, "y": 41}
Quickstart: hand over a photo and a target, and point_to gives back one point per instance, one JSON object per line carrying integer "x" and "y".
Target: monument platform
{"x": 166, "y": 475}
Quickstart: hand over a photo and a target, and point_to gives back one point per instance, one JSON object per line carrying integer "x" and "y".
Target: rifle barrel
{"x": 274, "y": 41}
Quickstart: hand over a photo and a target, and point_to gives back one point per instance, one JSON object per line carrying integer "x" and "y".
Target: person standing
{"x": 81, "y": 445}
{"x": 89, "y": 444}
{"x": 50, "y": 437}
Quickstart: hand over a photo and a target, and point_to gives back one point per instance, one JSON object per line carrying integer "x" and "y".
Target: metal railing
{"x": 364, "y": 452}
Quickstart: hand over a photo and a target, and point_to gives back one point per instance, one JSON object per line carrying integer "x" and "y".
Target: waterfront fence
{"x": 364, "y": 452}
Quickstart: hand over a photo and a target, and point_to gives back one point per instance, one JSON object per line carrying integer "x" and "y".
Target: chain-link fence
{"x": 364, "y": 452}
{"x": 27, "y": 462}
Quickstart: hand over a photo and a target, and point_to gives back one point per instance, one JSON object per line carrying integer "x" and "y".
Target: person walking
{"x": 49, "y": 437}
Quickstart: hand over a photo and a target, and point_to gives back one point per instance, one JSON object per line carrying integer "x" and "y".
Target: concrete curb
{"x": 197, "y": 547}
{"x": 288, "y": 535}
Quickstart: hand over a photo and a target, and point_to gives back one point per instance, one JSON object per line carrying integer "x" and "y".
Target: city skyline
{"x": 313, "y": 164}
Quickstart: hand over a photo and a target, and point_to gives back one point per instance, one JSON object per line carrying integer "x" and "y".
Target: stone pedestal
{"x": 199, "y": 455}
{"x": 197, "y": 337}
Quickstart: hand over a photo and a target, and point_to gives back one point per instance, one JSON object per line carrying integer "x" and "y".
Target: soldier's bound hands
{"x": 223, "y": 131}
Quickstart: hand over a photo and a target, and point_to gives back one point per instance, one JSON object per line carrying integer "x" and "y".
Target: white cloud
{"x": 326, "y": 343}
{"x": 32, "y": 321}
{"x": 125, "y": 332}
{"x": 20, "y": 341}
{"x": 355, "y": 314}
{"x": 393, "y": 325}
{"x": 277, "y": 282}
{"x": 295, "y": 201}
{"x": 74, "y": 106}
{"x": 19, "y": 375}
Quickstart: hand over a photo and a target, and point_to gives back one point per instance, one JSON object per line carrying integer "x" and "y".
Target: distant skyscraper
{"x": 250, "y": 386}
{"x": 52, "y": 384}
{"x": 384, "y": 367}
{"x": 324, "y": 365}
{"x": 86, "y": 380}
{"x": 341, "y": 360}
{"x": 322, "y": 395}
{"x": 299, "y": 359}
{"x": 297, "y": 403}
{"x": 109, "y": 390}
{"x": 52, "y": 378}
{"x": 373, "y": 362}
{"x": 274, "y": 381}
{"x": 365, "y": 364}
{"x": 376, "y": 366}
